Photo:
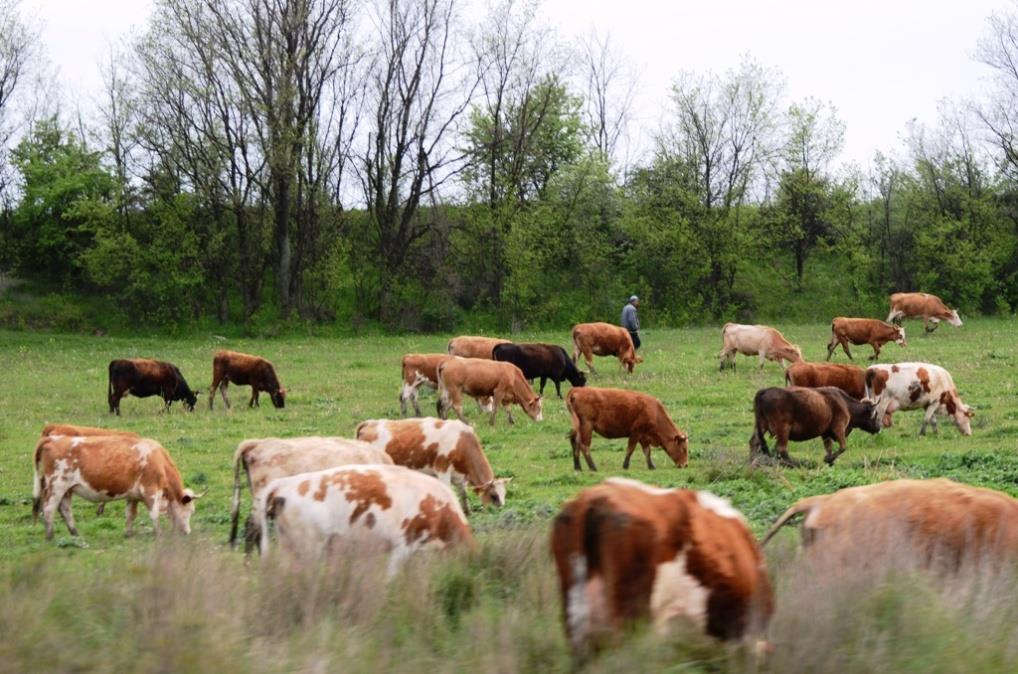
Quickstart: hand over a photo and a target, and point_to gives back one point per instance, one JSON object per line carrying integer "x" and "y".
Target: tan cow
{"x": 108, "y": 468}
{"x": 935, "y": 522}
{"x": 449, "y": 450}
{"x": 604, "y": 339}
{"x": 421, "y": 369}
{"x": 479, "y": 378}
{"x": 397, "y": 509}
{"x": 915, "y": 305}
{"x": 618, "y": 413}
{"x": 756, "y": 340}
{"x": 468, "y": 346}
{"x": 626, "y": 552}
{"x": 859, "y": 331}
{"x": 265, "y": 459}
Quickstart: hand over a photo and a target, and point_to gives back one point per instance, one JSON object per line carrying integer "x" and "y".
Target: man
{"x": 630, "y": 321}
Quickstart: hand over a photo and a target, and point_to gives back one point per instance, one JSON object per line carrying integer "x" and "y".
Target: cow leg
{"x": 132, "y": 512}
{"x": 844, "y": 347}
{"x": 763, "y": 358}
{"x": 54, "y": 500}
{"x": 782, "y": 447}
{"x": 589, "y": 357}
{"x": 629, "y": 451}
{"x": 67, "y": 513}
{"x": 930, "y": 417}
{"x": 222, "y": 392}
{"x": 153, "y": 512}
{"x": 876, "y": 351}
{"x": 831, "y": 346}
{"x": 413, "y": 399}
{"x": 461, "y": 491}
{"x": 830, "y": 458}
{"x": 646, "y": 453}
{"x": 254, "y": 398}
{"x": 115, "y": 401}
{"x": 558, "y": 389}
{"x": 585, "y": 439}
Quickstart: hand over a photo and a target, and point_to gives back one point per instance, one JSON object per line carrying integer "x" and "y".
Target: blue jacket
{"x": 629, "y": 319}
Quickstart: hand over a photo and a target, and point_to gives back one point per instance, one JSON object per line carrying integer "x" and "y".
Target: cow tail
{"x": 443, "y": 391}
{"x": 235, "y": 508}
{"x": 38, "y": 482}
{"x": 788, "y": 377}
{"x": 759, "y": 441}
{"x": 802, "y": 506}
{"x": 273, "y": 506}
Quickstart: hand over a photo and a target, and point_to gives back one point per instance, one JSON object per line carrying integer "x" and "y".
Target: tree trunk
{"x": 282, "y": 238}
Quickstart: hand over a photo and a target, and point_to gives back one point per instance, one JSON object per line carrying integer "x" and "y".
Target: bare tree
{"x": 999, "y": 50}
{"x": 16, "y": 52}
{"x": 611, "y": 89}
{"x": 118, "y": 118}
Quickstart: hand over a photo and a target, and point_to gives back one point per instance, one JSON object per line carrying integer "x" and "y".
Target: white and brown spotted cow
{"x": 108, "y": 468}
{"x": 627, "y": 552}
{"x": 85, "y": 431}
{"x": 448, "y": 449}
{"x": 912, "y": 386}
{"x": 400, "y": 510}
{"x": 265, "y": 459}
{"x": 922, "y": 305}
{"x": 756, "y": 340}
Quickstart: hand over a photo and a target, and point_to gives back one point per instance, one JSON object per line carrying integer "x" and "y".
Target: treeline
{"x": 388, "y": 162}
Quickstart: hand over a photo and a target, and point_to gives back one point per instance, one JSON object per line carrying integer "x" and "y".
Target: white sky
{"x": 881, "y": 63}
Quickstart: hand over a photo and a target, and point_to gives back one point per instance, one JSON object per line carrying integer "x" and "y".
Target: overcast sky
{"x": 881, "y": 63}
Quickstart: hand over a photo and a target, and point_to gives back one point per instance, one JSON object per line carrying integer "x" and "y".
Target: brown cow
{"x": 468, "y": 346}
{"x": 144, "y": 377}
{"x": 849, "y": 378}
{"x": 245, "y": 370}
{"x": 479, "y": 378}
{"x": 756, "y": 340}
{"x": 859, "y": 331}
{"x": 930, "y": 307}
{"x": 108, "y": 468}
{"x": 805, "y": 413}
{"x": 604, "y": 339}
{"x": 421, "y": 369}
{"x": 937, "y": 523}
{"x": 617, "y": 413}
{"x": 627, "y": 552}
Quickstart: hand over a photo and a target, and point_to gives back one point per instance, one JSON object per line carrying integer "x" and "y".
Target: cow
{"x": 479, "y": 378}
{"x": 547, "y": 361}
{"x": 626, "y": 552}
{"x": 859, "y": 331}
{"x": 50, "y": 430}
{"x": 108, "y": 468}
{"x": 798, "y": 414}
{"x": 399, "y": 509}
{"x": 618, "y": 413}
{"x": 449, "y": 450}
{"x": 421, "y": 369}
{"x": 756, "y": 340}
{"x": 143, "y": 377}
{"x": 937, "y": 523}
{"x": 930, "y": 307}
{"x": 604, "y": 339}
{"x": 265, "y": 459}
{"x": 849, "y": 378}
{"x": 245, "y": 370}
{"x": 468, "y": 346}
{"x": 912, "y": 386}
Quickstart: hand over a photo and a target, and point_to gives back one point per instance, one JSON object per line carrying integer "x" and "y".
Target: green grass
{"x": 335, "y": 383}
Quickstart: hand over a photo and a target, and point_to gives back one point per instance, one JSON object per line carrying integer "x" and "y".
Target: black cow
{"x": 143, "y": 377}
{"x": 797, "y": 413}
{"x": 546, "y": 361}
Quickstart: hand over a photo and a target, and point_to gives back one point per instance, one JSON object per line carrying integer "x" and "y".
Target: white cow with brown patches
{"x": 266, "y": 459}
{"x": 448, "y": 449}
{"x": 398, "y": 509}
{"x": 109, "y": 468}
{"x": 912, "y": 386}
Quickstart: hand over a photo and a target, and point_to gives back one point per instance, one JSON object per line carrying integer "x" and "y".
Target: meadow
{"x": 106, "y": 603}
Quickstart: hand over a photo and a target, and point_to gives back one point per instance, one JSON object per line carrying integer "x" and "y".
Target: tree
{"x": 611, "y": 89}
{"x": 16, "y": 52}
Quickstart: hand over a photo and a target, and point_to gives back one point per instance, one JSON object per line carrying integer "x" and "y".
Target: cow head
{"x": 866, "y": 415}
{"x": 962, "y": 414}
{"x": 493, "y": 493}
{"x": 954, "y": 319}
{"x": 577, "y": 378}
{"x": 533, "y": 408}
{"x": 678, "y": 449}
{"x": 278, "y": 397}
{"x": 631, "y": 360}
{"x": 182, "y": 509}
{"x": 899, "y": 336}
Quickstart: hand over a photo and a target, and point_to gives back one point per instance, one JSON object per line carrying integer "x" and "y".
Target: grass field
{"x": 173, "y": 606}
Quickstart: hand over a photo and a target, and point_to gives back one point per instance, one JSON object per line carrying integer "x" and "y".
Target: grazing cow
{"x": 756, "y": 340}
{"x": 479, "y": 378}
{"x": 144, "y": 377}
{"x": 245, "y": 370}
{"x": 474, "y": 347}
{"x": 604, "y": 339}
{"x": 50, "y": 430}
{"x": 421, "y": 369}
{"x": 400, "y": 509}
{"x": 911, "y": 386}
{"x": 108, "y": 468}
{"x": 628, "y": 552}
{"x": 266, "y": 459}
{"x": 617, "y": 413}
{"x": 937, "y": 523}
{"x": 798, "y": 414}
{"x": 449, "y": 450}
{"x": 849, "y": 378}
{"x": 915, "y": 305}
{"x": 547, "y": 361}
{"x": 859, "y": 331}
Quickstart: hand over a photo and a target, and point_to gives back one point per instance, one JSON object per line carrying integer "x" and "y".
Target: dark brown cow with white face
{"x": 108, "y": 468}
{"x": 479, "y": 379}
{"x": 627, "y": 552}
{"x": 245, "y": 370}
{"x": 863, "y": 331}
{"x": 397, "y": 508}
{"x": 604, "y": 339}
{"x": 618, "y": 413}
{"x": 922, "y": 305}
{"x": 805, "y": 413}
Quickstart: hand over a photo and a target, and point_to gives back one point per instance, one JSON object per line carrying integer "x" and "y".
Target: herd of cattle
{"x": 624, "y": 550}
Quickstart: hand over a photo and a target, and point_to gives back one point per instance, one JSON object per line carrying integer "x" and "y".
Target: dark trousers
{"x": 636, "y": 338}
